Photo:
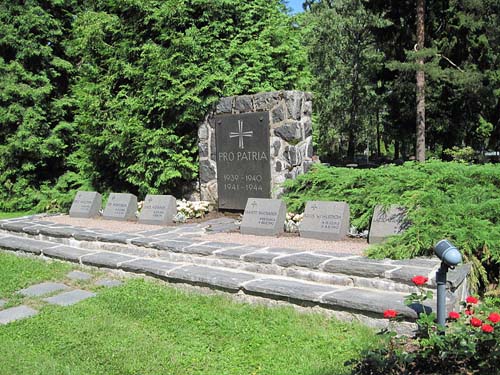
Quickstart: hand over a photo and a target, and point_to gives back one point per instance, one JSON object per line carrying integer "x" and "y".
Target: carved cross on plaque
{"x": 254, "y": 203}
{"x": 240, "y": 134}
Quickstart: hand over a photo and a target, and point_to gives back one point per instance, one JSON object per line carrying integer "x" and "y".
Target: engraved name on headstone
{"x": 325, "y": 220}
{"x": 386, "y": 222}
{"x": 120, "y": 206}
{"x": 86, "y": 204}
{"x": 263, "y": 217}
{"x": 158, "y": 210}
{"x": 243, "y": 158}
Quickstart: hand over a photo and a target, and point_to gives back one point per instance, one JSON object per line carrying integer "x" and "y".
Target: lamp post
{"x": 450, "y": 257}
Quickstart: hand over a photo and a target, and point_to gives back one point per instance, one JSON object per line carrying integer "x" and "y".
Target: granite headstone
{"x": 325, "y": 220}
{"x": 243, "y": 158}
{"x": 120, "y": 206}
{"x": 86, "y": 204}
{"x": 158, "y": 210}
{"x": 263, "y": 217}
{"x": 386, "y": 222}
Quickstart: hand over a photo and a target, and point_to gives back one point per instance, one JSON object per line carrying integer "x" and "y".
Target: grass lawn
{"x": 146, "y": 327}
{"x": 10, "y": 215}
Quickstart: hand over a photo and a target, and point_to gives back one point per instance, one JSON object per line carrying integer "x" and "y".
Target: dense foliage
{"x": 450, "y": 200}
{"x": 107, "y": 94}
{"x": 462, "y": 73}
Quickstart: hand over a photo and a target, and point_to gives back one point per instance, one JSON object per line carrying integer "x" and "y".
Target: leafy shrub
{"x": 468, "y": 344}
{"x": 443, "y": 200}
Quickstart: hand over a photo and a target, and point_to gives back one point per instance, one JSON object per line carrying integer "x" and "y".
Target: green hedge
{"x": 444, "y": 200}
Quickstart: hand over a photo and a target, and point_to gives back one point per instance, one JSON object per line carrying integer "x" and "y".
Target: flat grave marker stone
{"x": 243, "y": 158}
{"x": 120, "y": 206}
{"x": 386, "y": 222}
{"x": 158, "y": 210}
{"x": 86, "y": 204}
{"x": 263, "y": 217}
{"x": 325, "y": 220}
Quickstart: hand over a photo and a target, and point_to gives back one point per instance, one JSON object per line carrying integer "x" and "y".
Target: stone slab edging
{"x": 174, "y": 243}
{"x": 340, "y": 282}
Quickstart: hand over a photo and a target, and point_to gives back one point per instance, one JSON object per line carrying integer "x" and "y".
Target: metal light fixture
{"x": 450, "y": 257}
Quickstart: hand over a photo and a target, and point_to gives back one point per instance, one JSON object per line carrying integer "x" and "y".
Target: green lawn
{"x": 9, "y": 215}
{"x": 145, "y": 327}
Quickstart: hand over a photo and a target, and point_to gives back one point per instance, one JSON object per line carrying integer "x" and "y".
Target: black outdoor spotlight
{"x": 450, "y": 257}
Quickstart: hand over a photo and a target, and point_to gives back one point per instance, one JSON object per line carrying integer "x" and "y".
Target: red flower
{"x": 471, "y": 299}
{"x": 453, "y": 315}
{"x": 469, "y": 312}
{"x": 389, "y": 314}
{"x": 475, "y": 322}
{"x": 419, "y": 280}
{"x": 487, "y": 328}
{"x": 494, "y": 317}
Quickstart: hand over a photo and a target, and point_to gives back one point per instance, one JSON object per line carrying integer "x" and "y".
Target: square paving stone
{"x": 79, "y": 275}
{"x": 302, "y": 260}
{"x": 108, "y": 283}
{"x": 208, "y": 276}
{"x": 149, "y": 266}
{"x": 16, "y": 313}
{"x": 288, "y": 288}
{"x": 111, "y": 260}
{"x": 42, "y": 289}
{"x": 69, "y": 298}
{"x": 25, "y": 244}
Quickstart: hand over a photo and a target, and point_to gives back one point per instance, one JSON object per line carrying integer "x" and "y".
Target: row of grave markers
{"x": 322, "y": 220}
{"x": 157, "y": 209}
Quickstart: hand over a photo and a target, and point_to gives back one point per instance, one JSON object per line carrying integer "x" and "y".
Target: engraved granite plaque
{"x": 86, "y": 204}
{"x": 158, "y": 210}
{"x": 386, "y": 222}
{"x": 243, "y": 158}
{"x": 325, "y": 220}
{"x": 264, "y": 217}
{"x": 120, "y": 206}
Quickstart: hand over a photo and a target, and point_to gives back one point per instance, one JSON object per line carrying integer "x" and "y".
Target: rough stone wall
{"x": 290, "y": 135}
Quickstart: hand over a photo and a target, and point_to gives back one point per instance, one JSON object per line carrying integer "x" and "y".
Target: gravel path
{"x": 350, "y": 246}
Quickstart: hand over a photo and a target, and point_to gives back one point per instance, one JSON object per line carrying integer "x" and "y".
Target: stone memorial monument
{"x": 120, "y": 206}
{"x": 86, "y": 204}
{"x": 263, "y": 217}
{"x": 386, "y": 222}
{"x": 325, "y": 220}
{"x": 250, "y": 144}
{"x": 158, "y": 210}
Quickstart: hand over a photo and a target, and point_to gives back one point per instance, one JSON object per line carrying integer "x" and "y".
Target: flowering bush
{"x": 191, "y": 209}
{"x": 292, "y": 222}
{"x": 468, "y": 344}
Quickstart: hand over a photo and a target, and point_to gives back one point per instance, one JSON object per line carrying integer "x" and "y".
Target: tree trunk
{"x": 378, "y": 134}
{"x": 420, "y": 145}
